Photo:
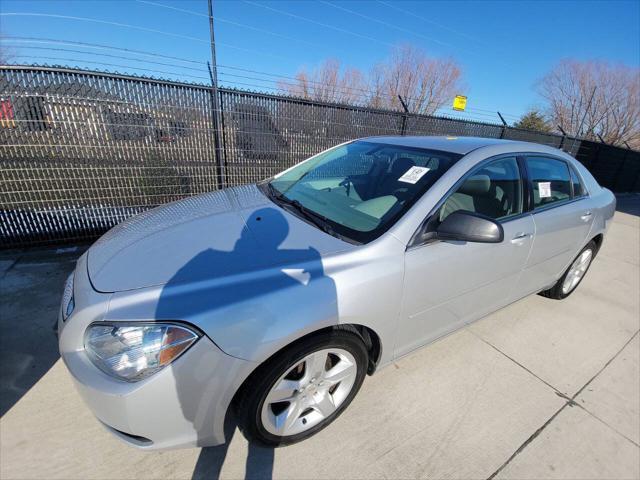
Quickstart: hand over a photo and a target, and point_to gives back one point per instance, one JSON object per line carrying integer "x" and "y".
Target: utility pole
{"x": 215, "y": 103}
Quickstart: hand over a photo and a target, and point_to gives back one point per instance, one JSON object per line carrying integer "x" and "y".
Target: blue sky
{"x": 503, "y": 47}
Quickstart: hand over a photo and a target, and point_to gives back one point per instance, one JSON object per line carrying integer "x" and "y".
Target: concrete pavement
{"x": 541, "y": 389}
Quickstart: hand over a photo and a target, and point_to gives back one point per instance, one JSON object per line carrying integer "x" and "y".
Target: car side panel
{"x": 448, "y": 284}
{"x": 561, "y": 232}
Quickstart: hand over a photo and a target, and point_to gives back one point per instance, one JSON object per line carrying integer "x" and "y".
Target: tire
{"x": 260, "y": 418}
{"x": 558, "y": 292}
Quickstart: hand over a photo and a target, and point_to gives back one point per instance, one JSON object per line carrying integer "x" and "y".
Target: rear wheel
{"x": 574, "y": 274}
{"x": 303, "y": 388}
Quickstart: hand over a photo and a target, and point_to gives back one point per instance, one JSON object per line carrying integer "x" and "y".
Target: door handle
{"x": 520, "y": 238}
{"x": 586, "y": 217}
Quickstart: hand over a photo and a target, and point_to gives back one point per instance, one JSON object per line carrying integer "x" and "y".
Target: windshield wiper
{"x": 274, "y": 192}
{"x": 318, "y": 220}
{"x": 315, "y": 218}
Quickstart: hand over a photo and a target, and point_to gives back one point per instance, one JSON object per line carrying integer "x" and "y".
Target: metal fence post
{"x": 403, "y": 128}
{"x": 213, "y": 72}
{"x": 564, "y": 136}
{"x": 504, "y": 125}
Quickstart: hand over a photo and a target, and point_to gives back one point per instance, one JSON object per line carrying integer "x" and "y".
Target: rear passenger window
{"x": 551, "y": 181}
{"x": 578, "y": 188}
{"x": 494, "y": 190}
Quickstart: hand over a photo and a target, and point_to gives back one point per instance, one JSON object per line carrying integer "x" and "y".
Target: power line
{"x": 183, "y": 10}
{"x": 291, "y": 38}
{"x": 415, "y": 15}
{"x": 332, "y": 27}
{"x": 366, "y": 17}
{"x": 230, "y": 22}
{"x": 350, "y": 90}
{"x": 133, "y": 27}
{"x": 104, "y": 22}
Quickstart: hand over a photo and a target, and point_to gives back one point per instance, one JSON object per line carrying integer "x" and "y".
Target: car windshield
{"x": 357, "y": 191}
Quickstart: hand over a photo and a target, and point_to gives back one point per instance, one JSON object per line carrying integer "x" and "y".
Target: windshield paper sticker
{"x": 544, "y": 189}
{"x": 413, "y": 174}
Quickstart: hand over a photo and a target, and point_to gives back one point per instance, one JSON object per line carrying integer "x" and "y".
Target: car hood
{"x": 228, "y": 232}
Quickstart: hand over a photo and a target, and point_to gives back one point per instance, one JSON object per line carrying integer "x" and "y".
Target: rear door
{"x": 562, "y": 215}
{"x": 450, "y": 283}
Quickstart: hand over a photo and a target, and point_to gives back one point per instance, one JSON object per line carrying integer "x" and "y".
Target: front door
{"x": 450, "y": 283}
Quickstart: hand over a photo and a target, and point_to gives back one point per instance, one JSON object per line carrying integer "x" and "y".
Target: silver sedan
{"x": 272, "y": 302}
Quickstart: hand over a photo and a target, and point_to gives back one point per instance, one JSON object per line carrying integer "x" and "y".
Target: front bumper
{"x": 182, "y": 405}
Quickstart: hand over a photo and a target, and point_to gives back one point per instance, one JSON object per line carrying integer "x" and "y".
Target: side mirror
{"x": 470, "y": 227}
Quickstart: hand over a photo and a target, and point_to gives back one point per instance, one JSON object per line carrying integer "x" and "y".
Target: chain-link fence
{"x": 81, "y": 151}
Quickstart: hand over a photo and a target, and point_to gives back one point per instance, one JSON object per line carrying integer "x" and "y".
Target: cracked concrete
{"x": 541, "y": 389}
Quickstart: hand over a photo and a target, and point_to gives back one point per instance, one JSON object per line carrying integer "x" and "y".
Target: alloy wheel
{"x": 576, "y": 271}
{"x": 309, "y": 392}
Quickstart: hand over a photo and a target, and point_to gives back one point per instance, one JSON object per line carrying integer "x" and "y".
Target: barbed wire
{"x": 53, "y": 41}
{"x": 105, "y": 64}
{"x": 362, "y": 96}
{"x": 260, "y": 90}
{"x": 202, "y": 69}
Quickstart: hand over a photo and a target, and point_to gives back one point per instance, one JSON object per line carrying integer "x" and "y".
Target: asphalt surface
{"x": 541, "y": 389}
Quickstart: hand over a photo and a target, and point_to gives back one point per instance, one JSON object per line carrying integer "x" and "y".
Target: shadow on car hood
{"x": 237, "y": 230}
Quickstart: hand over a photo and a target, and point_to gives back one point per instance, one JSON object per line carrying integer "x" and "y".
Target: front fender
{"x": 253, "y": 315}
{"x": 248, "y": 316}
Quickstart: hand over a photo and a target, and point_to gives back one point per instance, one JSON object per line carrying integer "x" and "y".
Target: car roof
{"x": 460, "y": 145}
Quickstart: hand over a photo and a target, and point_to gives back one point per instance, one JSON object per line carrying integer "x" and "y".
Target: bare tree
{"x": 594, "y": 98}
{"x": 425, "y": 83}
{"x": 329, "y": 83}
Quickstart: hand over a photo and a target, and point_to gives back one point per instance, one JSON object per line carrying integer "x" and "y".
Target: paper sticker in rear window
{"x": 544, "y": 189}
{"x": 413, "y": 174}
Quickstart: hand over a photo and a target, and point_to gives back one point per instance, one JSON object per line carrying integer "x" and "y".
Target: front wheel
{"x": 574, "y": 274}
{"x": 303, "y": 388}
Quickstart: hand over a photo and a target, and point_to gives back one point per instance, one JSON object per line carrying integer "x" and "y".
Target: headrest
{"x": 476, "y": 185}
{"x": 401, "y": 165}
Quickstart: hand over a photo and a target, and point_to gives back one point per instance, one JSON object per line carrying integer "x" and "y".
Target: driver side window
{"x": 494, "y": 190}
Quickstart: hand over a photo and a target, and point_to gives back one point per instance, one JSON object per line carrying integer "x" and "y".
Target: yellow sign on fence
{"x": 460, "y": 103}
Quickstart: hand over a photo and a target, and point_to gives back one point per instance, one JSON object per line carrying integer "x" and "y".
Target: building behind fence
{"x": 81, "y": 151}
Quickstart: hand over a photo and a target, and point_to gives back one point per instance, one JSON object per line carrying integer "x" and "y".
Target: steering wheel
{"x": 346, "y": 183}
{"x": 401, "y": 193}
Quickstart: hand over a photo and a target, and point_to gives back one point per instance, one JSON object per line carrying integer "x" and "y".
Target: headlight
{"x": 134, "y": 351}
